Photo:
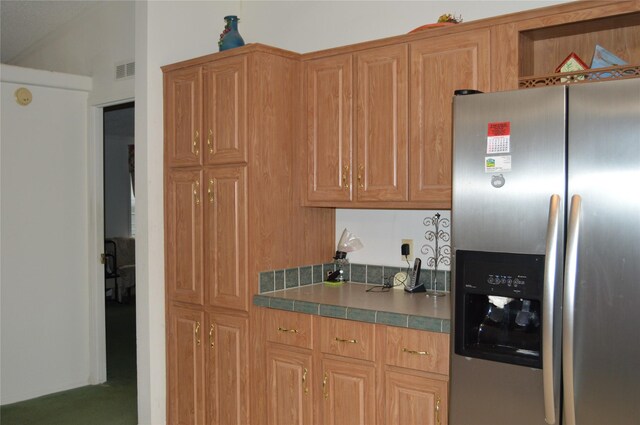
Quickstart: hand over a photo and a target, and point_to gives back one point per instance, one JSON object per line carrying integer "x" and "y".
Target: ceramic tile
{"x": 361, "y": 315}
{"x": 393, "y": 319}
{"x": 291, "y": 279}
{"x": 279, "y": 278}
{"x": 446, "y": 326}
{"x": 267, "y": 282}
{"x": 317, "y": 273}
{"x": 281, "y": 304}
{"x": 306, "y": 275}
{"x": 306, "y": 307}
{"x": 327, "y": 268}
{"x": 261, "y": 301}
{"x": 358, "y": 273}
{"x": 425, "y": 323}
{"x": 389, "y": 272}
{"x": 374, "y": 275}
{"x": 333, "y": 311}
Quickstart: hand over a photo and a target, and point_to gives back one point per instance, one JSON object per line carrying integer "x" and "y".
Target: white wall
{"x": 90, "y": 45}
{"x": 44, "y": 234}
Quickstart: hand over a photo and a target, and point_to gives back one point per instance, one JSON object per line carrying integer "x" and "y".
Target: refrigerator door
{"x": 501, "y": 203}
{"x": 602, "y": 359}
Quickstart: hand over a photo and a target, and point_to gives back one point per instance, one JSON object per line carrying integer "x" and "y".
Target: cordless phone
{"x": 414, "y": 278}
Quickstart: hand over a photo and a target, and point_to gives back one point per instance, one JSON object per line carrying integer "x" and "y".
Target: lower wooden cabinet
{"x": 412, "y": 399}
{"x": 348, "y": 392}
{"x": 321, "y": 370}
{"x": 290, "y": 386}
{"x": 207, "y": 373}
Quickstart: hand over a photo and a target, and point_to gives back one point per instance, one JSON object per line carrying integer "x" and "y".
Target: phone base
{"x": 413, "y": 289}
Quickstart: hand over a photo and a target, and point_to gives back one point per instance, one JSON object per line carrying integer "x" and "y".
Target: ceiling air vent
{"x": 125, "y": 70}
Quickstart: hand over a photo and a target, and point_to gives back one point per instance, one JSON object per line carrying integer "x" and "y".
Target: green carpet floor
{"x": 111, "y": 403}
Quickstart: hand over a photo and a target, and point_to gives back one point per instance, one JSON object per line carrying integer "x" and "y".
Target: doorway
{"x": 119, "y": 249}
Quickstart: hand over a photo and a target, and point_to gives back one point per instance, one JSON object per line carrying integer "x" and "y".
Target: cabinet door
{"x": 225, "y": 228}
{"x": 381, "y": 123}
{"x": 348, "y": 391}
{"x": 185, "y": 367}
{"x": 290, "y": 387}
{"x": 412, "y": 399}
{"x": 226, "y": 364}
{"x": 439, "y": 66}
{"x": 329, "y": 117}
{"x": 183, "y": 236}
{"x": 225, "y": 113}
{"x": 182, "y": 117}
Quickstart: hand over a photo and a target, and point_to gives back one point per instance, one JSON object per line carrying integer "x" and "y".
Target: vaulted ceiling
{"x": 24, "y": 23}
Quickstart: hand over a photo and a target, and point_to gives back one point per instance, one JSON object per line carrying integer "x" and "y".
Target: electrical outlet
{"x": 410, "y": 256}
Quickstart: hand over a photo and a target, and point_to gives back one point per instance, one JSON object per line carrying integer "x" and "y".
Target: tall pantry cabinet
{"x": 232, "y": 209}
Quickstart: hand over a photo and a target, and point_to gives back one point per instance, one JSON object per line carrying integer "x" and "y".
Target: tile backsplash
{"x": 276, "y": 280}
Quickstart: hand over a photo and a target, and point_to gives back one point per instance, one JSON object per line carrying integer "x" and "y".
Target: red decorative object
{"x": 429, "y": 26}
{"x": 571, "y": 63}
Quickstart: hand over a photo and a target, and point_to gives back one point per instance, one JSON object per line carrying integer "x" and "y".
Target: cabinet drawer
{"x": 289, "y": 328}
{"x": 420, "y": 350}
{"x": 347, "y": 338}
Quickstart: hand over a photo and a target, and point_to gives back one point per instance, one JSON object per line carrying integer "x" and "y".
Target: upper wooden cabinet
{"x": 400, "y": 156}
{"x": 329, "y": 88}
{"x": 381, "y": 123}
{"x": 183, "y": 117}
{"x": 439, "y": 66}
{"x": 224, "y": 111}
{"x": 205, "y": 113}
{"x": 357, "y": 108}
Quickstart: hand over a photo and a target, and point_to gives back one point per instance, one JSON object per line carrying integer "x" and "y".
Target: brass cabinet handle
{"x": 210, "y": 141}
{"x": 438, "y": 411}
{"x": 212, "y": 342}
{"x": 196, "y": 192}
{"x": 419, "y": 353}
{"x": 304, "y": 380}
{"x": 196, "y": 142}
{"x": 197, "y": 332}
{"x": 345, "y": 177}
{"x": 325, "y": 391}
{"x": 360, "y": 171}
{"x": 210, "y": 191}
{"x": 293, "y": 331}
{"x": 350, "y": 341}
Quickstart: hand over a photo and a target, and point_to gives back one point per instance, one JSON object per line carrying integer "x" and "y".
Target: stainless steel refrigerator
{"x": 546, "y": 246}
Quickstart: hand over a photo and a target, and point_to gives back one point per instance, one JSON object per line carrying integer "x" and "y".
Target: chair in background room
{"x": 121, "y": 252}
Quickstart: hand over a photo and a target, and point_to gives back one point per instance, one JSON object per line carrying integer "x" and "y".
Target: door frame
{"x": 95, "y": 175}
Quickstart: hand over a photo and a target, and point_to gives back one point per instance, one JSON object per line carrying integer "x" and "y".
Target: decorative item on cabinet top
{"x": 230, "y": 37}
{"x": 443, "y": 21}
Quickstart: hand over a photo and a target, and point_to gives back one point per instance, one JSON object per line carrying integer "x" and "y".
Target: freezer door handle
{"x": 550, "y": 263}
{"x": 570, "y": 275}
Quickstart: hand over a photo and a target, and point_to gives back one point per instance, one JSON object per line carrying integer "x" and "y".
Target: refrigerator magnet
{"x": 497, "y": 164}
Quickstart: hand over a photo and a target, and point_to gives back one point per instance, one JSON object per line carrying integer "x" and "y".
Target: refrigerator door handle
{"x": 570, "y": 276}
{"x": 550, "y": 263}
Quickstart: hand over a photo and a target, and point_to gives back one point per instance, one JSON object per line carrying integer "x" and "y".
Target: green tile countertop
{"x": 351, "y": 301}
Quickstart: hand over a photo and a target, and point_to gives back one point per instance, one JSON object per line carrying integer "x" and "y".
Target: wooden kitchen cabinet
{"x": 183, "y": 117}
{"x": 184, "y": 235}
{"x": 225, "y": 247}
{"x": 415, "y": 399}
{"x": 348, "y": 391}
{"x": 232, "y": 210}
{"x": 185, "y": 365}
{"x": 439, "y": 66}
{"x": 224, "y": 120}
{"x": 381, "y": 103}
{"x": 329, "y": 112}
{"x": 290, "y": 385}
{"x": 227, "y": 374}
{"x": 356, "y": 112}
{"x": 356, "y": 372}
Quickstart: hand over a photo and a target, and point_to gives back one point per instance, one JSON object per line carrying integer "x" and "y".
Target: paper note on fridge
{"x": 496, "y": 164}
